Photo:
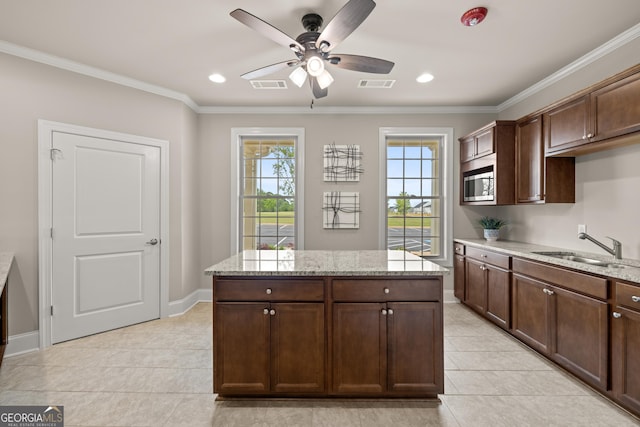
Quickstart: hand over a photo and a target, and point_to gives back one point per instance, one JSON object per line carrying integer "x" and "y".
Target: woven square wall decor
{"x": 341, "y": 209}
{"x": 342, "y": 163}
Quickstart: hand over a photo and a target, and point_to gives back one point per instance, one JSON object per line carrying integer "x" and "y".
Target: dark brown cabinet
{"x": 490, "y": 149}
{"x": 564, "y": 315}
{"x": 541, "y": 179}
{"x": 487, "y": 284}
{"x": 392, "y": 346}
{"x": 625, "y": 345}
{"x": 269, "y": 346}
{"x": 595, "y": 118}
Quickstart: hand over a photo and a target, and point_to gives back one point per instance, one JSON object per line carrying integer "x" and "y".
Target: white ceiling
{"x": 175, "y": 45}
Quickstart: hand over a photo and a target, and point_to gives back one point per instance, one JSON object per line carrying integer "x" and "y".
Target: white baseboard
{"x": 179, "y": 307}
{"x": 22, "y": 343}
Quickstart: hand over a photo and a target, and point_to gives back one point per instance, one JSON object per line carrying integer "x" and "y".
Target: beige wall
{"x": 32, "y": 91}
{"x": 607, "y": 183}
{"x": 320, "y": 129}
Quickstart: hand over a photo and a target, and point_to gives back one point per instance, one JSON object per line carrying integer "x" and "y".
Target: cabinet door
{"x": 580, "y": 336}
{"x": 616, "y": 108}
{"x": 625, "y": 362}
{"x": 241, "y": 348}
{"x": 530, "y": 312}
{"x": 359, "y": 348}
{"x": 467, "y": 149}
{"x": 529, "y": 161}
{"x": 297, "y": 348}
{"x": 484, "y": 143}
{"x": 458, "y": 277}
{"x": 498, "y": 308}
{"x": 415, "y": 348}
{"x": 567, "y": 125}
{"x": 476, "y": 287}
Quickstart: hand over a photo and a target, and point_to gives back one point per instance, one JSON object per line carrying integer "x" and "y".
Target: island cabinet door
{"x": 241, "y": 348}
{"x": 415, "y": 348}
{"x": 297, "y": 348}
{"x": 359, "y": 348}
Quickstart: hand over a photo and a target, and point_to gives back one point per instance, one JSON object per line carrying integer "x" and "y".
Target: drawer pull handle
{"x": 386, "y": 290}
{"x": 265, "y": 311}
{"x": 384, "y": 312}
{"x": 269, "y": 291}
{"x": 616, "y": 315}
{"x": 390, "y": 311}
{"x": 548, "y": 291}
{"x": 272, "y": 312}
{"x": 635, "y": 299}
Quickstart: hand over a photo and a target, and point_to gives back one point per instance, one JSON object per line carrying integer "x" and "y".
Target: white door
{"x": 106, "y": 225}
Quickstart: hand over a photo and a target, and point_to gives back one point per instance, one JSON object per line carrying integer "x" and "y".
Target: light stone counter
{"x": 325, "y": 263}
{"x": 630, "y": 271}
{"x": 6, "y": 259}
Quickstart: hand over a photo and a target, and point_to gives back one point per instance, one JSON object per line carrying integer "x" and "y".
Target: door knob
{"x": 152, "y": 242}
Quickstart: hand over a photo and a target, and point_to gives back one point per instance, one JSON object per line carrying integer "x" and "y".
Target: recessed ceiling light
{"x": 424, "y": 78}
{"x": 217, "y": 78}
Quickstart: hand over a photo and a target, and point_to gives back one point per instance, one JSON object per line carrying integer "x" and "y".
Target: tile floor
{"x": 159, "y": 374}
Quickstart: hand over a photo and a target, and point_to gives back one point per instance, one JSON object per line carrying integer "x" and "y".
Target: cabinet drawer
{"x": 458, "y": 248}
{"x": 268, "y": 290}
{"x": 628, "y": 296}
{"x": 381, "y": 290}
{"x": 579, "y": 282}
{"x": 489, "y": 257}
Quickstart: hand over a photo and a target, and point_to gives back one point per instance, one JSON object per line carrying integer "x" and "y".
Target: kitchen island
{"x": 327, "y": 324}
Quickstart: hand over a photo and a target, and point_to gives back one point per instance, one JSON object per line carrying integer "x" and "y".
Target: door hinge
{"x": 52, "y": 310}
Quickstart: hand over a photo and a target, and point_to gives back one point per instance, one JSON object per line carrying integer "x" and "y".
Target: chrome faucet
{"x": 617, "y": 246}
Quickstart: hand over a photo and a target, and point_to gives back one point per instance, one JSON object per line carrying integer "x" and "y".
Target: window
{"x": 267, "y": 204}
{"x": 416, "y": 212}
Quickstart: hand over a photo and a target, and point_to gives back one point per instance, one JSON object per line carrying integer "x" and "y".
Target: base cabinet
{"x": 569, "y": 327}
{"x": 262, "y": 348}
{"x": 625, "y": 346}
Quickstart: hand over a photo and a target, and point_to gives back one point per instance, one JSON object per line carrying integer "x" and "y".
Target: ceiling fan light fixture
{"x": 315, "y": 66}
{"x": 298, "y": 76}
{"x": 324, "y": 80}
{"x": 473, "y": 17}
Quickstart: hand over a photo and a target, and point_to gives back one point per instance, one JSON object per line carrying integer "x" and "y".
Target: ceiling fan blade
{"x": 365, "y": 64}
{"x": 318, "y": 92}
{"x": 346, "y": 20}
{"x": 265, "y": 29}
{"x": 269, "y": 69}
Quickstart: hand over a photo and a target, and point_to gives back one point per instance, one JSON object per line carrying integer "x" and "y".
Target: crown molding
{"x": 348, "y": 110}
{"x": 608, "y": 47}
{"x": 77, "y": 67}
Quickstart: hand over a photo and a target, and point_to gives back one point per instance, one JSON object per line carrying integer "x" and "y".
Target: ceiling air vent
{"x": 269, "y": 84}
{"x": 376, "y": 84}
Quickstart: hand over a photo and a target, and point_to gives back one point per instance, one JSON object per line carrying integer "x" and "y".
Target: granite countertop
{"x": 6, "y": 259}
{"x": 325, "y": 263}
{"x": 630, "y": 272}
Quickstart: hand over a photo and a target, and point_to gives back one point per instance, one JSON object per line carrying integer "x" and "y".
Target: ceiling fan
{"x": 313, "y": 49}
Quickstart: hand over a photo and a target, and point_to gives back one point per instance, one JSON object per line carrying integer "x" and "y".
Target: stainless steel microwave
{"x": 479, "y": 187}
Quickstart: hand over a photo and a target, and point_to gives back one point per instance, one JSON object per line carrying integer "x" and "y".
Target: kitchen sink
{"x": 571, "y": 256}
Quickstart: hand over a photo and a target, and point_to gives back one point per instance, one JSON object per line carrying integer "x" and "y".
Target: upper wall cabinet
{"x": 490, "y": 150}
{"x": 596, "y": 118}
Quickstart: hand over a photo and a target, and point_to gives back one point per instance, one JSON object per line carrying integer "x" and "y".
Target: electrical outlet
{"x": 582, "y": 228}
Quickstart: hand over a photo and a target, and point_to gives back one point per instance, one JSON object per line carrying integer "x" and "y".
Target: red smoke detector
{"x": 473, "y": 16}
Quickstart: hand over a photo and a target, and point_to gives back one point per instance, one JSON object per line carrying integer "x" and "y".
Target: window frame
{"x": 237, "y": 135}
{"x": 447, "y": 176}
